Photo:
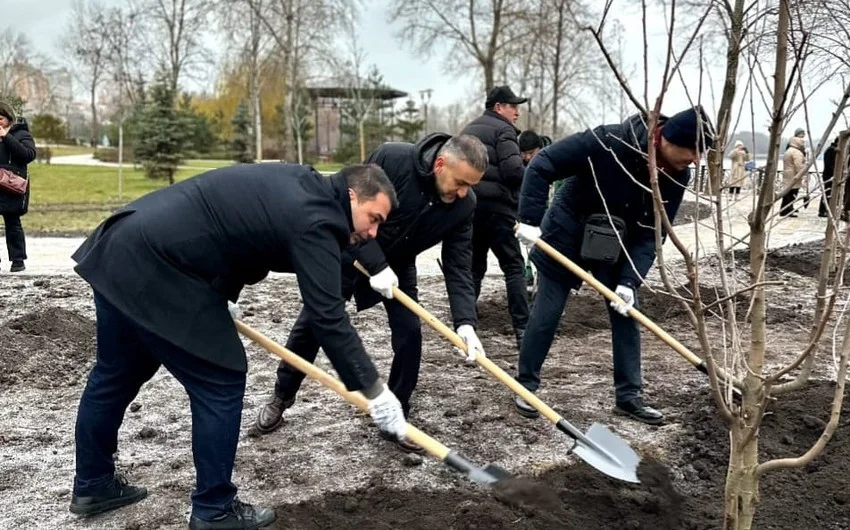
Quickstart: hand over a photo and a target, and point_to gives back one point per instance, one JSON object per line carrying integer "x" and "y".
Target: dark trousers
{"x": 406, "y": 332}
{"x": 734, "y": 190}
{"x": 495, "y": 231}
{"x": 16, "y": 242}
{"x": 127, "y": 357}
{"x": 788, "y": 203}
{"x": 843, "y": 205}
{"x": 546, "y": 313}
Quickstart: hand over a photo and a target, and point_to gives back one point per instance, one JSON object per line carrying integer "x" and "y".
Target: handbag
{"x": 602, "y": 237}
{"x": 12, "y": 183}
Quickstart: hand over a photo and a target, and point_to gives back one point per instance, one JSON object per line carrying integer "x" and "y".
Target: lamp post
{"x": 425, "y": 97}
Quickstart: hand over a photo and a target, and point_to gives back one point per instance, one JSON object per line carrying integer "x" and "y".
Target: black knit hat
{"x": 529, "y": 140}
{"x": 682, "y": 128}
{"x": 8, "y": 111}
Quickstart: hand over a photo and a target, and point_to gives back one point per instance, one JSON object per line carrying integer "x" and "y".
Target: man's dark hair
{"x": 466, "y": 148}
{"x": 368, "y": 180}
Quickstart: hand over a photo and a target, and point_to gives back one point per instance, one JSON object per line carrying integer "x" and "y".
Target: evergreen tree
{"x": 409, "y": 125}
{"x": 162, "y": 133}
{"x": 242, "y": 144}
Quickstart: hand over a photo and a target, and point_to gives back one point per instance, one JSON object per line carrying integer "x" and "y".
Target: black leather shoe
{"x": 640, "y": 411}
{"x": 525, "y": 409}
{"x": 240, "y": 516}
{"x": 404, "y": 445}
{"x": 119, "y": 493}
{"x": 271, "y": 415}
{"x": 18, "y": 266}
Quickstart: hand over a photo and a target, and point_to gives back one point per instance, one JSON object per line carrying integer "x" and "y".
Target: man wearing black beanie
{"x": 604, "y": 201}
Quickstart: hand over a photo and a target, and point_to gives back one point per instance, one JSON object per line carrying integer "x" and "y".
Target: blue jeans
{"x": 545, "y": 316}
{"x": 127, "y": 357}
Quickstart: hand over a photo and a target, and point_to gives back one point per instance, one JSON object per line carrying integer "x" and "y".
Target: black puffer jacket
{"x": 421, "y": 221}
{"x": 499, "y": 189}
{"x": 17, "y": 150}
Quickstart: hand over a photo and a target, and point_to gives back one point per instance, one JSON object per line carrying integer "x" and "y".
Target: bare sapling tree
{"x": 742, "y": 360}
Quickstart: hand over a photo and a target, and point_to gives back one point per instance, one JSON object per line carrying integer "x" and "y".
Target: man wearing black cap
{"x": 605, "y": 199}
{"x": 498, "y": 195}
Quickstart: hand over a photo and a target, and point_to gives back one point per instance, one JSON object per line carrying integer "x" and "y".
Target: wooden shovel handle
{"x": 484, "y": 362}
{"x": 588, "y": 278}
{"x": 432, "y": 446}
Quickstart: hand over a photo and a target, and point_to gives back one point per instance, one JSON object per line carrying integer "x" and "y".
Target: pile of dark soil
{"x": 579, "y": 497}
{"x": 51, "y": 348}
{"x": 575, "y": 497}
{"x": 690, "y": 211}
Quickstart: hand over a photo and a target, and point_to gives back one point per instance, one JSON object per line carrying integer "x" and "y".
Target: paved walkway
{"x": 51, "y": 255}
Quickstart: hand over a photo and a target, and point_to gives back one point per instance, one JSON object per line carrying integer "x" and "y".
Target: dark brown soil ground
{"x": 690, "y": 211}
{"x": 326, "y": 468}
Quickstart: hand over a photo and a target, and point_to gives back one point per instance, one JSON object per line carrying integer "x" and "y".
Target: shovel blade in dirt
{"x": 603, "y": 450}
{"x": 487, "y": 475}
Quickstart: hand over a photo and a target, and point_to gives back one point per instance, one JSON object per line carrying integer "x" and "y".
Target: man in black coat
{"x": 829, "y": 156}
{"x": 498, "y": 193}
{"x": 604, "y": 206}
{"x": 17, "y": 150}
{"x": 432, "y": 180}
{"x": 163, "y": 270}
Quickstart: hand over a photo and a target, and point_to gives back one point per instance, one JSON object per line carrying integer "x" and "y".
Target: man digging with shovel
{"x": 433, "y": 180}
{"x": 163, "y": 269}
{"x": 602, "y": 218}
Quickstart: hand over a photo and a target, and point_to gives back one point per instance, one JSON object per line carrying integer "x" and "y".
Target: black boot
{"x": 240, "y": 516}
{"x": 524, "y": 409}
{"x": 640, "y": 411}
{"x": 17, "y": 266}
{"x": 117, "y": 494}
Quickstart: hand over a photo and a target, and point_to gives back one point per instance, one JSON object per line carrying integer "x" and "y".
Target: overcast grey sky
{"x": 44, "y": 20}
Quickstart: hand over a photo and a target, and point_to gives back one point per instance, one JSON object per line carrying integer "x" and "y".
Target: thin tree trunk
{"x": 742, "y": 480}
{"x": 94, "y": 120}
{"x": 362, "y": 132}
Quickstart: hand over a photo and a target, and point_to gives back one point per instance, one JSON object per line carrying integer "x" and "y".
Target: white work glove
{"x": 527, "y": 234}
{"x": 387, "y": 414}
{"x": 234, "y": 309}
{"x": 384, "y": 281}
{"x": 473, "y": 343}
{"x": 628, "y": 295}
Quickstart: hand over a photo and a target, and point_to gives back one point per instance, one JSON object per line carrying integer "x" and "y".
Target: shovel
{"x": 598, "y": 447}
{"x": 487, "y": 475}
{"x": 680, "y": 348}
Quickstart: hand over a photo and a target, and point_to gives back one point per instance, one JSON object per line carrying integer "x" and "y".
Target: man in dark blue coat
{"x": 432, "y": 180}
{"x": 604, "y": 206}
{"x": 163, "y": 270}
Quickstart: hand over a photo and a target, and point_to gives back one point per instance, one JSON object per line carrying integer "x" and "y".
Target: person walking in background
{"x": 738, "y": 175}
{"x": 498, "y": 197}
{"x": 17, "y": 150}
{"x": 792, "y": 164}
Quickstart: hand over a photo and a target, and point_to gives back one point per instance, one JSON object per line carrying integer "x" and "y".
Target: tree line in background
{"x": 134, "y": 60}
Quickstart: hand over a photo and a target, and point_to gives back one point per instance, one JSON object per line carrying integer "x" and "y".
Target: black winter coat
{"x": 602, "y": 153}
{"x": 17, "y": 150}
{"x": 421, "y": 221}
{"x": 498, "y": 191}
{"x": 171, "y": 259}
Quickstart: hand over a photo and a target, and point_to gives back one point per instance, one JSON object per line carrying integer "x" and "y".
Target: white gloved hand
{"x": 473, "y": 343}
{"x": 527, "y": 234}
{"x": 383, "y": 282}
{"x": 628, "y": 295}
{"x": 234, "y": 309}
{"x": 387, "y": 414}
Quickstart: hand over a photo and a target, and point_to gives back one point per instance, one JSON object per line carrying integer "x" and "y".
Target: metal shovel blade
{"x": 487, "y": 475}
{"x": 605, "y": 451}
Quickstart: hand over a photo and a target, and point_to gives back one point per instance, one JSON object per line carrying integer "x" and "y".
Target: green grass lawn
{"x": 70, "y": 199}
{"x": 74, "y": 199}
